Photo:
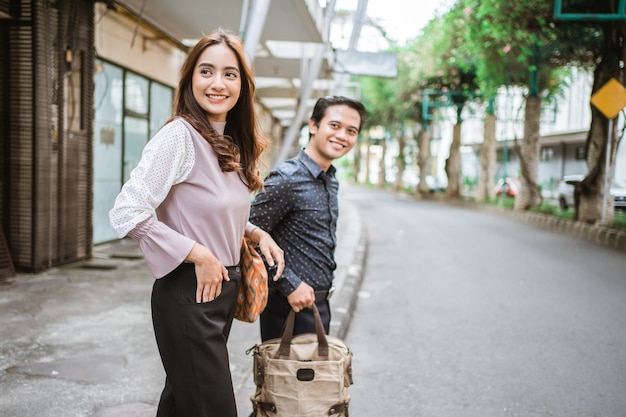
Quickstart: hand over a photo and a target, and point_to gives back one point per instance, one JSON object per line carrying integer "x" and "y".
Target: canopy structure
{"x": 282, "y": 37}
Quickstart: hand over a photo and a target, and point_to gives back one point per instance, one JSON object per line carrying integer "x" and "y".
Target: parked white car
{"x": 565, "y": 192}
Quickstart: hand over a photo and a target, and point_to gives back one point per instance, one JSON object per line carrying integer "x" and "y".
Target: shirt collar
{"x": 312, "y": 166}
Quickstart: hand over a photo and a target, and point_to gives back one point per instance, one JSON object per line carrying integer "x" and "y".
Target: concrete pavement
{"x": 77, "y": 341}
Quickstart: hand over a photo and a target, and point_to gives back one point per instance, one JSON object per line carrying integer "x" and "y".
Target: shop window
{"x": 160, "y": 109}
{"x": 546, "y": 154}
{"x": 136, "y": 95}
{"x": 128, "y": 109}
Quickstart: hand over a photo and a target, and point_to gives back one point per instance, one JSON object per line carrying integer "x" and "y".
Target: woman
{"x": 196, "y": 175}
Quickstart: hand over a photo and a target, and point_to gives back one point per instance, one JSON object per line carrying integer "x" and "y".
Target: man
{"x": 299, "y": 208}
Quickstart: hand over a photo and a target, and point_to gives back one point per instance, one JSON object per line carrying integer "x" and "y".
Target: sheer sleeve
{"x": 167, "y": 160}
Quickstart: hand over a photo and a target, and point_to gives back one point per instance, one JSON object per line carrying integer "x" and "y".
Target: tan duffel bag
{"x": 306, "y": 375}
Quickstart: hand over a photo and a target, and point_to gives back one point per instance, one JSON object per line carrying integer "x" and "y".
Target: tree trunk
{"x": 486, "y": 186}
{"x": 588, "y": 194}
{"x": 400, "y": 163}
{"x": 529, "y": 195}
{"x": 356, "y": 166}
{"x": 382, "y": 170}
{"x": 368, "y": 157}
{"x": 453, "y": 164}
{"x": 423, "y": 160}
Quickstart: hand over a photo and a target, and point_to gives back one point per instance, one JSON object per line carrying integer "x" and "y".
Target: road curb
{"x": 351, "y": 256}
{"x": 343, "y": 306}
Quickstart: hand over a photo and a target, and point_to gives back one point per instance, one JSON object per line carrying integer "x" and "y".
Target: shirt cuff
{"x": 163, "y": 248}
{"x": 287, "y": 283}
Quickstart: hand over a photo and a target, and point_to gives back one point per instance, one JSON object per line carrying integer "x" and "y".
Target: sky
{"x": 402, "y": 19}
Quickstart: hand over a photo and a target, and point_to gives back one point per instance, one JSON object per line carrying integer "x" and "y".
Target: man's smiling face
{"x": 335, "y": 136}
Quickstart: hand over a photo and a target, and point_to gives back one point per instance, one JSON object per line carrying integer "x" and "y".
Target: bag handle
{"x": 285, "y": 342}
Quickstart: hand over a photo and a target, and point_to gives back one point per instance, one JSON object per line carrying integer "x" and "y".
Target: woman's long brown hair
{"x": 243, "y": 142}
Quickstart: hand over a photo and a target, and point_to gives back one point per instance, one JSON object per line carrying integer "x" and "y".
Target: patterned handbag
{"x": 252, "y": 296}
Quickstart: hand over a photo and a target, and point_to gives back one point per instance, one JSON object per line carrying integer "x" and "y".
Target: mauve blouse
{"x": 177, "y": 196}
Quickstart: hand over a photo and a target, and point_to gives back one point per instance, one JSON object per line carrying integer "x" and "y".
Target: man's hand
{"x": 302, "y": 297}
{"x": 274, "y": 255}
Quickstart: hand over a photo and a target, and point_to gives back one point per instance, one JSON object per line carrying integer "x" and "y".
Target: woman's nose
{"x": 218, "y": 81}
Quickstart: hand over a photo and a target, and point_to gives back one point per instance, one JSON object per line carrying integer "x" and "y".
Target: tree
{"x": 610, "y": 56}
{"x": 444, "y": 72}
{"x": 459, "y": 78}
{"x": 500, "y": 43}
{"x": 546, "y": 46}
{"x": 515, "y": 45}
{"x": 485, "y": 189}
{"x": 385, "y": 99}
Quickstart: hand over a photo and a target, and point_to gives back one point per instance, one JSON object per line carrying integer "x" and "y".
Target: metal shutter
{"x": 50, "y": 164}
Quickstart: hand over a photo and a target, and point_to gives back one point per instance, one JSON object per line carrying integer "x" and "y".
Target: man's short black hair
{"x": 323, "y": 103}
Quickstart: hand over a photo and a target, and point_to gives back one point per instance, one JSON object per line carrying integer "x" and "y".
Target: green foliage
{"x": 470, "y": 181}
{"x": 474, "y": 49}
{"x": 619, "y": 218}
{"x": 380, "y": 99}
{"x": 483, "y": 44}
{"x": 513, "y": 39}
{"x": 507, "y": 203}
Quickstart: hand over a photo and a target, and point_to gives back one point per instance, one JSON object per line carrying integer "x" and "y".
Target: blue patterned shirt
{"x": 299, "y": 209}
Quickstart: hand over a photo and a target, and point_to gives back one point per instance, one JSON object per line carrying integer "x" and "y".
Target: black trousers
{"x": 191, "y": 338}
{"x": 275, "y": 314}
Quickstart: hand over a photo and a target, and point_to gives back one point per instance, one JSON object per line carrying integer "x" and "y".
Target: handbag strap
{"x": 285, "y": 341}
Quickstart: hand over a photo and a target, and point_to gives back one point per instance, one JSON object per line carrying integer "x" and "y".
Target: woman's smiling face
{"x": 216, "y": 81}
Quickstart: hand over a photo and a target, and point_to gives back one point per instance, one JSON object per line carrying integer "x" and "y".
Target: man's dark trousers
{"x": 275, "y": 314}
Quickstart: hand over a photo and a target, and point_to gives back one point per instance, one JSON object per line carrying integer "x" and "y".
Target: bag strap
{"x": 285, "y": 341}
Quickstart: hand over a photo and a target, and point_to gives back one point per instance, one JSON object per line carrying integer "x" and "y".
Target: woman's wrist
{"x": 255, "y": 236}
{"x": 199, "y": 254}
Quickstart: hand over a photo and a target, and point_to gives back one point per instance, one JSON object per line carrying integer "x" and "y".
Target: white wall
{"x": 155, "y": 59}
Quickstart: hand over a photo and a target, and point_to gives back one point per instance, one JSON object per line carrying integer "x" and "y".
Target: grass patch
{"x": 545, "y": 208}
{"x": 507, "y": 202}
{"x": 619, "y": 219}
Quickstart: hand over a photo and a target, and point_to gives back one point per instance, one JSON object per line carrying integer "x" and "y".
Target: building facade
{"x": 85, "y": 84}
{"x": 46, "y": 130}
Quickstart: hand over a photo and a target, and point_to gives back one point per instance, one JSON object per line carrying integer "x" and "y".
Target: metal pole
{"x": 607, "y": 163}
{"x": 255, "y": 21}
{"x": 310, "y": 67}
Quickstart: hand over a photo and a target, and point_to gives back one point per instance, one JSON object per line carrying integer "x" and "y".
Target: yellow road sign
{"x": 610, "y": 99}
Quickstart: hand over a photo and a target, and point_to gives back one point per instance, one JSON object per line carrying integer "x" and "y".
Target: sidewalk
{"x": 77, "y": 341}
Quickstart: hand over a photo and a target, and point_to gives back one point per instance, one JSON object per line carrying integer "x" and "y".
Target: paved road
{"x": 465, "y": 314}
